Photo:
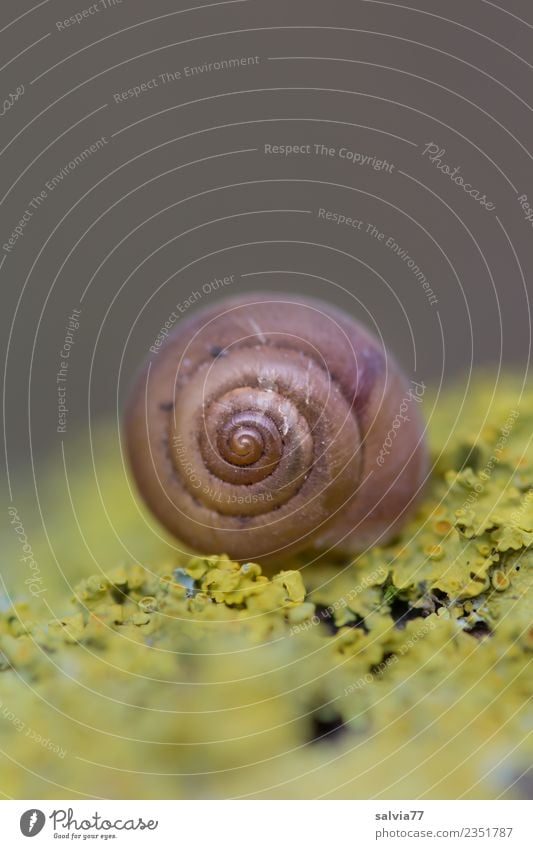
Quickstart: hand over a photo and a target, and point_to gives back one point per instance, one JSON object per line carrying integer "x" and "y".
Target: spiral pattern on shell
{"x": 249, "y": 431}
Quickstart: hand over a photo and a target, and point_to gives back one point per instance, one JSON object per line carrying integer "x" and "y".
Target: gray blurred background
{"x": 180, "y": 190}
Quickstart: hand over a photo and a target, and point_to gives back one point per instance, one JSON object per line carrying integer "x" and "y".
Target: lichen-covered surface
{"x": 404, "y": 673}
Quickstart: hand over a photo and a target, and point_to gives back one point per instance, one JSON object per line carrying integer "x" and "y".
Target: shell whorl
{"x": 247, "y": 431}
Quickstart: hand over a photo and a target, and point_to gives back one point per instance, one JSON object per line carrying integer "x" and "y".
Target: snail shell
{"x": 257, "y": 427}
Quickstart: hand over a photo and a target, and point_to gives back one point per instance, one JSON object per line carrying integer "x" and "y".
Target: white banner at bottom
{"x": 268, "y": 824}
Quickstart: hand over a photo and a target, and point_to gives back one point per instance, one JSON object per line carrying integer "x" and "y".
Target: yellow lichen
{"x": 405, "y": 672}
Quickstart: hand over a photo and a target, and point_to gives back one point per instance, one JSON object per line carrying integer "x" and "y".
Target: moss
{"x": 200, "y": 677}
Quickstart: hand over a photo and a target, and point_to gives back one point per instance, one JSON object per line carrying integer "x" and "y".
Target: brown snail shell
{"x": 256, "y": 430}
